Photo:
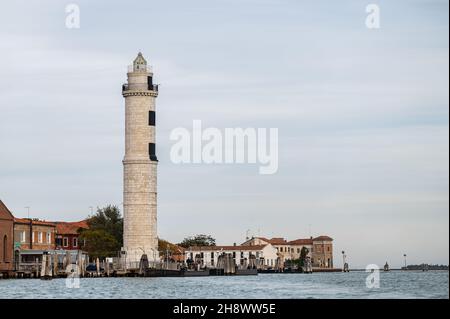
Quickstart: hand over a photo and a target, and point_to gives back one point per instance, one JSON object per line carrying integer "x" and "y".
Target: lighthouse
{"x": 140, "y": 165}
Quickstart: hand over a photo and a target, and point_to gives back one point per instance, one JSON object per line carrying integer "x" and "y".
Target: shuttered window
{"x": 151, "y": 118}
{"x": 152, "y": 151}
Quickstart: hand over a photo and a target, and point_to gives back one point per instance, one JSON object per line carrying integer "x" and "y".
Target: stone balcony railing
{"x": 152, "y": 89}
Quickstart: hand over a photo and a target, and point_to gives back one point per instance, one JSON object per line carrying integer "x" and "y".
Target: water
{"x": 394, "y": 284}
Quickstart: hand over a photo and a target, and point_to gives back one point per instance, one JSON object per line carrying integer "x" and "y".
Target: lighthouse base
{"x": 131, "y": 257}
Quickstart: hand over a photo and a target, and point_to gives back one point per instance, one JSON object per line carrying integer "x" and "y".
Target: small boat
{"x": 386, "y": 266}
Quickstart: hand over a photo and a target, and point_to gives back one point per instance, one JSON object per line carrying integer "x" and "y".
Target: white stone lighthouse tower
{"x": 139, "y": 165}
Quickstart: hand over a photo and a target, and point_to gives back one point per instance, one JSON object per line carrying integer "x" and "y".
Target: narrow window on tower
{"x": 151, "y": 118}
{"x": 150, "y": 83}
{"x": 152, "y": 151}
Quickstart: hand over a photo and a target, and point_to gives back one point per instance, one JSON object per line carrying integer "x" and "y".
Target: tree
{"x": 198, "y": 240}
{"x": 165, "y": 247}
{"x": 99, "y": 243}
{"x": 104, "y": 238}
{"x": 109, "y": 220}
{"x": 303, "y": 254}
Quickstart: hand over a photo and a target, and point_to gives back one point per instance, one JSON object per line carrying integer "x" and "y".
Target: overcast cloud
{"x": 362, "y": 117}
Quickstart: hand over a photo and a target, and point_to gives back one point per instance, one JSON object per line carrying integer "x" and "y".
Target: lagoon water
{"x": 394, "y": 284}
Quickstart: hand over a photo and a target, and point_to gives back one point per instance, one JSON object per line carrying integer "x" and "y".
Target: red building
{"x": 67, "y": 234}
{"x": 6, "y": 240}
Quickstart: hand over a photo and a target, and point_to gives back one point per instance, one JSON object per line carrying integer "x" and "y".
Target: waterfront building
{"x": 6, "y": 240}
{"x": 34, "y": 234}
{"x": 320, "y": 249}
{"x": 178, "y": 254}
{"x": 32, "y": 237}
{"x": 297, "y": 246}
{"x": 67, "y": 235}
{"x": 281, "y": 245}
{"x": 322, "y": 252}
{"x": 140, "y": 165}
{"x": 207, "y": 256}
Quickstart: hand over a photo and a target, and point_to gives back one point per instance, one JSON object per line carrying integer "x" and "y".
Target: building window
{"x": 298, "y": 250}
{"x": 49, "y": 238}
{"x": 58, "y": 241}
{"x": 23, "y": 236}
{"x": 65, "y": 242}
{"x": 151, "y": 118}
{"x": 150, "y": 83}
{"x": 281, "y": 249}
{"x": 40, "y": 237}
{"x": 75, "y": 242}
{"x": 32, "y": 237}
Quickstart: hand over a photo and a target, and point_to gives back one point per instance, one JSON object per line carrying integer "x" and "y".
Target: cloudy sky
{"x": 362, "y": 117}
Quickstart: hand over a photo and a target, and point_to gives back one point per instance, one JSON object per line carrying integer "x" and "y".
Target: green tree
{"x": 99, "y": 243}
{"x": 303, "y": 253}
{"x": 110, "y": 220}
{"x": 198, "y": 240}
{"x": 104, "y": 238}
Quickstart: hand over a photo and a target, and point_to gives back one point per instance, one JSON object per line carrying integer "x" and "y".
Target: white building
{"x": 320, "y": 249}
{"x": 265, "y": 255}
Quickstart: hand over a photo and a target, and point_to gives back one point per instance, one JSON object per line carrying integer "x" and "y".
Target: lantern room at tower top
{"x": 140, "y": 66}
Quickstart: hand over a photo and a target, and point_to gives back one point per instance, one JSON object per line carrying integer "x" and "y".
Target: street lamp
{"x": 28, "y": 209}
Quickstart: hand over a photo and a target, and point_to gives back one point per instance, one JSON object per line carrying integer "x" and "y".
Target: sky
{"x": 362, "y": 117}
